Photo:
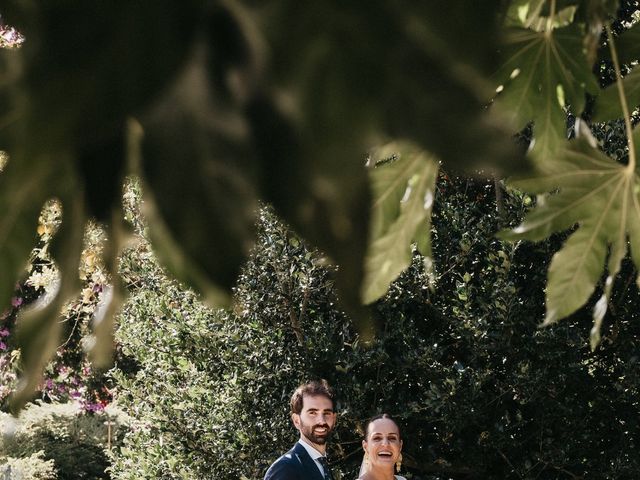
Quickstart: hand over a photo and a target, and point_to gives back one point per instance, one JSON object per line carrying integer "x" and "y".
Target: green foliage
{"x": 592, "y": 182}
{"x": 33, "y": 467}
{"x": 280, "y": 102}
{"x": 232, "y": 103}
{"x": 69, "y": 376}
{"x": 604, "y": 210}
{"x": 74, "y": 443}
{"x": 403, "y": 185}
{"x": 480, "y": 390}
{"x": 504, "y": 398}
{"x": 542, "y": 74}
{"x": 210, "y": 387}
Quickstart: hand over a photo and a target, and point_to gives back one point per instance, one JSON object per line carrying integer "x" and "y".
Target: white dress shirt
{"x": 314, "y": 454}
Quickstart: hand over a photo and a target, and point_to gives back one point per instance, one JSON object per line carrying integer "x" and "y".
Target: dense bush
{"x": 33, "y": 467}
{"x": 480, "y": 390}
{"x": 62, "y": 439}
{"x": 485, "y": 392}
{"x": 211, "y": 390}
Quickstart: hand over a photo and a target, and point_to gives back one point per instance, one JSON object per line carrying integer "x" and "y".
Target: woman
{"x": 382, "y": 447}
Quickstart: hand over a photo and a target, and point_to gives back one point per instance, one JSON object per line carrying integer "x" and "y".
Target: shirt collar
{"x": 313, "y": 453}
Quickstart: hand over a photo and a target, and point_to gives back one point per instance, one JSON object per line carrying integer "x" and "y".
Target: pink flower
{"x": 3, "y": 346}
{"x": 4, "y": 332}
{"x": 93, "y": 407}
{"x": 16, "y": 301}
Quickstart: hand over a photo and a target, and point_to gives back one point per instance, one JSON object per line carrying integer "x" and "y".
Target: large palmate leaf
{"x": 608, "y": 105}
{"x": 602, "y": 197}
{"x": 544, "y": 73}
{"x": 403, "y": 194}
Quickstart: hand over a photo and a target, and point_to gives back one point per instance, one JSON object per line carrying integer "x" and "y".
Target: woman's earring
{"x": 398, "y": 463}
{"x": 366, "y": 459}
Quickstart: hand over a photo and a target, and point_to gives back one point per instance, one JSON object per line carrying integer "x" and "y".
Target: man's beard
{"x": 309, "y": 433}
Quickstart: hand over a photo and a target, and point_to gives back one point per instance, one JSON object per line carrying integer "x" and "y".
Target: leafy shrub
{"x": 211, "y": 391}
{"x": 74, "y": 443}
{"x": 69, "y": 375}
{"x": 33, "y": 467}
{"x": 480, "y": 391}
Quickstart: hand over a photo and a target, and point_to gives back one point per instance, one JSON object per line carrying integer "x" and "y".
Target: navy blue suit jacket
{"x": 296, "y": 464}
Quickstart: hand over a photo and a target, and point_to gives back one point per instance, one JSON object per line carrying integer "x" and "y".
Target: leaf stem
{"x": 623, "y": 101}
{"x": 552, "y": 14}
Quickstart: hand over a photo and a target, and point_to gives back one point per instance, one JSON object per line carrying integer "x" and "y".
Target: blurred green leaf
{"x": 601, "y": 197}
{"x": 200, "y": 173}
{"x": 346, "y": 77}
{"x": 95, "y": 63}
{"x": 103, "y": 321}
{"x": 403, "y": 195}
{"x": 39, "y": 327}
{"x": 22, "y": 195}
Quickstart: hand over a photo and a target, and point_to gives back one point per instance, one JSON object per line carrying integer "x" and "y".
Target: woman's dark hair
{"x": 378, "y": 417}
{"x": 311, "y": 389}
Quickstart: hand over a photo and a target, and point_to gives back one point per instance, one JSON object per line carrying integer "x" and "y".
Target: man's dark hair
{"x": 311, "y": 389}
{"x": 378, "y": 417}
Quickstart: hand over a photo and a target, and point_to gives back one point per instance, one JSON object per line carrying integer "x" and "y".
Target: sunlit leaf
{"x": 608, "y": 106}
{"x": 403, "y": 195}
{"x": 598, "y": 195}
{"x": 532, "y": 14}
{"x": 544, "y": 73}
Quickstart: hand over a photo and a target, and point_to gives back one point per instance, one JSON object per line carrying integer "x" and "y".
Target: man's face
{"x": 316, "y": 420}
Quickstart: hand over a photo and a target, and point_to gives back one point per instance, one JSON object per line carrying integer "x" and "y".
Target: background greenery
{"x": 457, "y": 354}
{"x": 251, "y": 101}
{"x": 59, "y": 441}
{"x": 481, "y": 391}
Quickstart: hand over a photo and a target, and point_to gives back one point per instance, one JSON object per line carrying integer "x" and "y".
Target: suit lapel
{"x": 311, "y": 470}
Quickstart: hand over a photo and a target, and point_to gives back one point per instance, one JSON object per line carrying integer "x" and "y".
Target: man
{"x": 313, "y": 414}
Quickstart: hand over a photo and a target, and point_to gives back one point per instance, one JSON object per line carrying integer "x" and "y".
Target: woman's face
{"x": 383, "y": 443}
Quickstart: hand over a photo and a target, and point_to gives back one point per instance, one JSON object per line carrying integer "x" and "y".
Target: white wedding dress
{"x": 362, "y": 471}
{"x": 397, "y": 477}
